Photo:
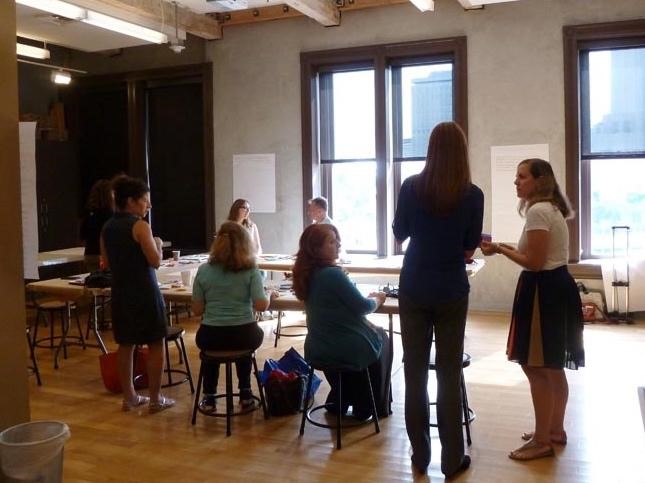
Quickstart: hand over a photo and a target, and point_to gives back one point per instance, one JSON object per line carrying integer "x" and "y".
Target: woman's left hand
{"x": 489, "y": 248}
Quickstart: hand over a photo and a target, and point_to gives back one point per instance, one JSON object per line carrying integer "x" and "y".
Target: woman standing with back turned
{"x": 546, "y": 326}
{"x": 441, "y": 211}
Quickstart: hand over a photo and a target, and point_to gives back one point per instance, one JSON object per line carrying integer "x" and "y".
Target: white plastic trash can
{"x": 34, "y": 451}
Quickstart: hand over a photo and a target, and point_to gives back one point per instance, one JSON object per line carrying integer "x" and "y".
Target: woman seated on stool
{"x": 226, "y": 291}
{"x": 339, "y": 335}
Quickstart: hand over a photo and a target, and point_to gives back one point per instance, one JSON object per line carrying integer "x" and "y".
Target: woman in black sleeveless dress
{"x": 138, "y": 311}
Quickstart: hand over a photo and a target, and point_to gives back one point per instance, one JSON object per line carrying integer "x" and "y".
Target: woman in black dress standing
{"x": 138, "y": 311}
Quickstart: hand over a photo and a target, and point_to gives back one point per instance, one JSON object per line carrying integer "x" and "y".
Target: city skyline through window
{"x": 616, "y": 128}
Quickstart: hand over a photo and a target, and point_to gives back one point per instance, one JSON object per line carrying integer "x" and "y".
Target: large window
{"x": 605, "y": 90}
{"x": 367, "y": 114}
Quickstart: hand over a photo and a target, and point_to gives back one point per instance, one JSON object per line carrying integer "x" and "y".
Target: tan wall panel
{"x": 14, "y": 393}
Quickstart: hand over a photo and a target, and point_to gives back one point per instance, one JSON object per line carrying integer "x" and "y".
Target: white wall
{"x": 515, "y": 95}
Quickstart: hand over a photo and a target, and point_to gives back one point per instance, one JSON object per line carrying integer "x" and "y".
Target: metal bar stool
{"x": 34, "y": 364}
{"x": 176, "y": 335}
{"x": 64, "y": 310}
{"x": 468, "y": 413}
{"x": 278, "y": 329}
{"x": 96, "y": 319}
{"x": 227, "y": 358}
{"x": 306, "y": 414}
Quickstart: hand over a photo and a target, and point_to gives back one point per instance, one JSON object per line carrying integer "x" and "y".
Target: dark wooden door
{"x": 175, "y": 158}
{"x": 58, "y": 193}
{"x": 103, "y": 133}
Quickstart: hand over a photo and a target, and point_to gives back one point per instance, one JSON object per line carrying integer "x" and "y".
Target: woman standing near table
{"x": 338, "y": 333}
{"x": 239, "y": 212}
{"x": 138, "y": 312}
{"x": 226, "y": 291}
{"x": 441, "y": 211}
{"x": 546, "y": 326}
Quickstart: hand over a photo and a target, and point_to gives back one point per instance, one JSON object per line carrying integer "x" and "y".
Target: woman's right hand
{"x": 378, "y": 296}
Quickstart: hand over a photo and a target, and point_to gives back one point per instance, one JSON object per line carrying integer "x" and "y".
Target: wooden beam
{"x": 155, "y": 13}
{"x": 324, "y": 12}
{"x": 279, "y": 12}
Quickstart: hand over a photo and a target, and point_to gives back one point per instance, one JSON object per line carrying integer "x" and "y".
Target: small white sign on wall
{"x": 254, "y": 180}
{"x": 506, "y": 222}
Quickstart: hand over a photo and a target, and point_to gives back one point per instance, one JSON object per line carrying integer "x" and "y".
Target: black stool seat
{"x": 306, "y": 413}
{"x": 227, "y": 358}
{"x": 176, "y": 334}
{"x": 469, "y": 414}
{"x": 64, "y": 310}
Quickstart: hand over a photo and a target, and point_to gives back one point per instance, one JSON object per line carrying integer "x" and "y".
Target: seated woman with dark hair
{"x": 226, "y": 291}
{"x": 339, "y": 335}
{"x": 99, "y": 209}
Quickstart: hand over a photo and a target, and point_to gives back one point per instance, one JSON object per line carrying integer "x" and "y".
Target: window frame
{"x": 380, "y": 58}
{"x": 578, "y": 38}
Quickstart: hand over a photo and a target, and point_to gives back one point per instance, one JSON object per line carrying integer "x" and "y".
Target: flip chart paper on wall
{"x": 27, "y": 133}
{"x": 507, "y": 223}
{"x": 254, "y": 180}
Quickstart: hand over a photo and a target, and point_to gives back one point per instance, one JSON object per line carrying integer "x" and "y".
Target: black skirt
{"x": 547, "y": 324}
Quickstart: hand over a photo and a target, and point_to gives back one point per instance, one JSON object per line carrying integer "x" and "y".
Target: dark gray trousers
{"x": 445, "y": 322}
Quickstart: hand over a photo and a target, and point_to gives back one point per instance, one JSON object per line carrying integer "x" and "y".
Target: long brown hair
{"x": 232, "y": 248}
{"x": 309, "y": 257}
{"x": 235, "y": 209}
{"x": 546, "y": 188}
{"x": 446, "y": 175}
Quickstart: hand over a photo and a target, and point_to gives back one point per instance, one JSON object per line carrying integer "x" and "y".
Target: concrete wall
{"x": 515, "y": 95}
{"x": 14, "y": 395}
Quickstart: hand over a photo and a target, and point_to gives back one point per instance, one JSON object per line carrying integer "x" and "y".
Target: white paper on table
{"x": 254, "y": 180}
{"x": 506, "y": 222}
{"x": 29, "y": 203}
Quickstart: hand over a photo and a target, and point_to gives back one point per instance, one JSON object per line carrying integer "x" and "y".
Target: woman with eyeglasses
{"x": 239, "y": 213}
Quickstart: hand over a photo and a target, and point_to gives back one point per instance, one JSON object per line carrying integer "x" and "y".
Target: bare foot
{"x": 531, "y": 451}
{"x": 557, "y": 438}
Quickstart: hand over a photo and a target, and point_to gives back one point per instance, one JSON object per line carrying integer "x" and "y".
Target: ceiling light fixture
{"x": 64, "y": 9}
{"x": 424, "y": 5}
{"x": 126, "y": 28}
{"x": 60, "y": 74}
{"x": 479, "y": 4}
{"x": 61, "y": 77}
{"x": 56, "y": 7}
{"x": 31, "y": 51}
{"x": 178, "y": 45}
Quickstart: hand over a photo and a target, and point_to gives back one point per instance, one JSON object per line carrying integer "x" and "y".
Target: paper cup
{"x": 175, "y": 255}
{"x": 185, "y": 278}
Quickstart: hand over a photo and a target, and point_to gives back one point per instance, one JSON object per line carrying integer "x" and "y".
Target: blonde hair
{"x": 546, "y": 188}
{"x": 232, "y": 248}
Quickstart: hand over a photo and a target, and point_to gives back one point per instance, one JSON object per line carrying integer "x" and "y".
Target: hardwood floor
{"x": 606, "y": 436}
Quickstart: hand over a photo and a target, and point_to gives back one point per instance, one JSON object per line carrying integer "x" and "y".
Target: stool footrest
{"x": 240, "y": 411}
{"x": 351, "y": 424}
